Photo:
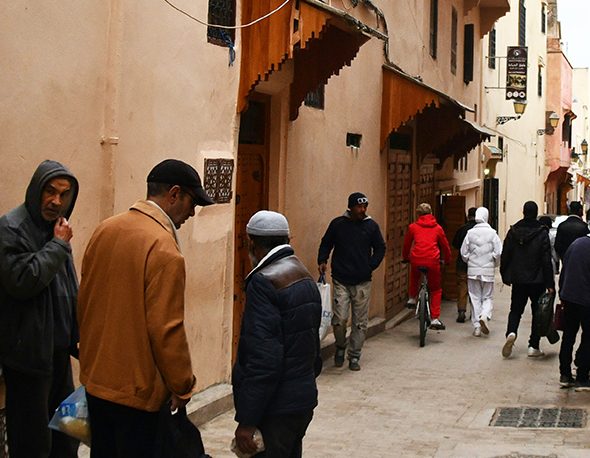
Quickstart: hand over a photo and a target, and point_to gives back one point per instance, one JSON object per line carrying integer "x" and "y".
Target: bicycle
{"x": 423, "y": 304}
{"x": 423, "y": 307}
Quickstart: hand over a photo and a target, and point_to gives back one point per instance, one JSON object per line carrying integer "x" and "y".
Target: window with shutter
{"x": 492, "y": 49}
{"x": 468, "y": 49}
{"x": 454, "y": 41}
{"x": 433, "y": 27}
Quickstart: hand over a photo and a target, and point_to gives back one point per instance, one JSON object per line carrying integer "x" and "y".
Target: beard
{"x": 253, "y": 259}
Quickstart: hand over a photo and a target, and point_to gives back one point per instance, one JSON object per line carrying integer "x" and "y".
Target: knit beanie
{"x": 267, "y": 224}
{"x": 357, "y": 198}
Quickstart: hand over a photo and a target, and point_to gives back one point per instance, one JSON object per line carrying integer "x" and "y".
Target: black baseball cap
{"x": 175, "y": 172}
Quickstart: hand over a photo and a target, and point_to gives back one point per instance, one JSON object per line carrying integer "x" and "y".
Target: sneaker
{"x": 535, "y": 352}
{"x": 411, "y": 304}
{"x": 507, "y": 348}
{"x": 483, "y": 322}
{"x": 566, "y": 381}
{"x": 354, "y": 365}
{"x": 582, "y": 385}
{"x": 461, "y": 316}
{"x": 437, "y": 324}
{"x": 477, "y": 332}
{"x": 339, "y": 357}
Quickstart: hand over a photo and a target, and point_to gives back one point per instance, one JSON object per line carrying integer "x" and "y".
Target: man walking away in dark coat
{"x": 274, "y": 377}
{"x": 574, "y": 291}
{"x": 358, "y": 248}
{"x": 569, "y": 230}
{"x": 461, "y": 266}
{"x": 38, "y": 329}
{"x": 526, "y": 266}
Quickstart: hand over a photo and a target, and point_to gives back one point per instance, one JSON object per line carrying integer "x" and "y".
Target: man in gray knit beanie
{"x": 278, "y": 357}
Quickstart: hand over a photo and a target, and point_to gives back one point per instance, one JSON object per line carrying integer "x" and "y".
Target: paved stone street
{"x": 435, "y": 401}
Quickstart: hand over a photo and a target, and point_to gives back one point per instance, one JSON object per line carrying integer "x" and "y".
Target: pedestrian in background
{"x": 570, "y": 229}
{"x": 574, "y": 291}
{"x": 278, "y": 360}
{"x": 134, "y": 354}
{"x": 38, "y": 328}
{"x": 525, "y": 265}
{"x": 481, "y": 250}
{"x": 358, "y": 248}
{"x": 426, "y": 245}
{"x": 548, "y": 223}
{"x": 461, "y": 265}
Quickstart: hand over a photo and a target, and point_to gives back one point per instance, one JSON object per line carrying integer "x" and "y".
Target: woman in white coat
{"x": 481, "y": 251}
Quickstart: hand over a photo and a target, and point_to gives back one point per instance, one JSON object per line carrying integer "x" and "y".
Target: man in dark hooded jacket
{"x": 38, "y": 329}
{"x": 526, "y": 265}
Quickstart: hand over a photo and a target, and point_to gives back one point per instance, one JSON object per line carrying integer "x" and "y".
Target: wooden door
{"x": 399, "y": 215}
{"x": 452, "y": 218}
{"x": 251, "y": 195}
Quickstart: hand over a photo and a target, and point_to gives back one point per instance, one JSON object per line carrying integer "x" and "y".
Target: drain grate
{"x": 536, "y": 417}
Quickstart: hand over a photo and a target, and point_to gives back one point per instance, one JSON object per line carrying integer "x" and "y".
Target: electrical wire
{"x": 241, "y": 26}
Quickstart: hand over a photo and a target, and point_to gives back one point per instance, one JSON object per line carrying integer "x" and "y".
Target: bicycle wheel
{"x": 423, "y": 316}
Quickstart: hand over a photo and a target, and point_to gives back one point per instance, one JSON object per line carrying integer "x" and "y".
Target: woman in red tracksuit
{"x": 424, "y": 244}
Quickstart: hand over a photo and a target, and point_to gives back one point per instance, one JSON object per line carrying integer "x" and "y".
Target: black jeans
{"x": 119, "y": 431}
{"x": 30, "y": 403}
{"x": 575, "y": 316}
{"x": 283, "y": 435}
{"x": 521, "y": 293}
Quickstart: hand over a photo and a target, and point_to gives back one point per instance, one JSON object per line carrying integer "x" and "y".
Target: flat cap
{"x": 268, "y": 224}
{"x": 175, "y": 172}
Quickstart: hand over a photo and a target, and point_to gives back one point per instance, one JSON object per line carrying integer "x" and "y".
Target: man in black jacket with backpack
{"x": 526, "y": 266}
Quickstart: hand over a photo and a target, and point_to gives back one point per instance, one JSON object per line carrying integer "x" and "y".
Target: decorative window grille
{"x": 492, "y": 49}
{"x": 454, "y": 41}
{"x": 218, "y": 179}
{"x": 315, "y": 99}
{"x": 433, "y": 27}
{"x": 221, "y": 12}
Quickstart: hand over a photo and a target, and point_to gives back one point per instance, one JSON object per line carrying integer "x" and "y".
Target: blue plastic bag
{"x": 71, "y": 417}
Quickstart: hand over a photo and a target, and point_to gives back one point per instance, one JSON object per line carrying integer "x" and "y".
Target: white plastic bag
{"x": 326, "y": 294}
{"x": 71, "y": 417}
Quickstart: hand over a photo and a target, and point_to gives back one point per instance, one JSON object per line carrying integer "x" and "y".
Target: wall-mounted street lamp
{"x": 553, "y": 123}
{"x": 584, "y": 146}
{"x": 519, "y": 107}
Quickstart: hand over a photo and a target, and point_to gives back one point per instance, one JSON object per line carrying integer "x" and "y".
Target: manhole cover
{"x": 536, "y": 417}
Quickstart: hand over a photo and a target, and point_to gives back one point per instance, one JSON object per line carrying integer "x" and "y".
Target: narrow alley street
{"x": 435, "y": 401}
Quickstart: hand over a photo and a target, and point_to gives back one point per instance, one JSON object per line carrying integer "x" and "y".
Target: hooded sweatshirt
{"x": 38, "y": 286}
{"x": 425, "y": 242}
{"x": 526, "y": 254}
{"x": 481, "y": 248}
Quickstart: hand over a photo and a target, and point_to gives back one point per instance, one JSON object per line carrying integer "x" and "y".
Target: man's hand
{"x": 551, "y": 290}
{"x": 245, "y": 438}
{"x": 62, "y": 230}
{"x": 322, "y": 268}
{"x": 177, "y": 403}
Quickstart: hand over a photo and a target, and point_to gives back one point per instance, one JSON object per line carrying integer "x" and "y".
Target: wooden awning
{"x": 467, "y": 135}
{"x": 405, "y": 98}
{"x": 319, "y": 42}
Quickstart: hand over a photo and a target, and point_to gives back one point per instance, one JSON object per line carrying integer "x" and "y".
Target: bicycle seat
{"x": 423, "y": 269}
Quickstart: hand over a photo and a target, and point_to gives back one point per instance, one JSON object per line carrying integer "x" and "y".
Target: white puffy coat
{"x": 481, "y": 248}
